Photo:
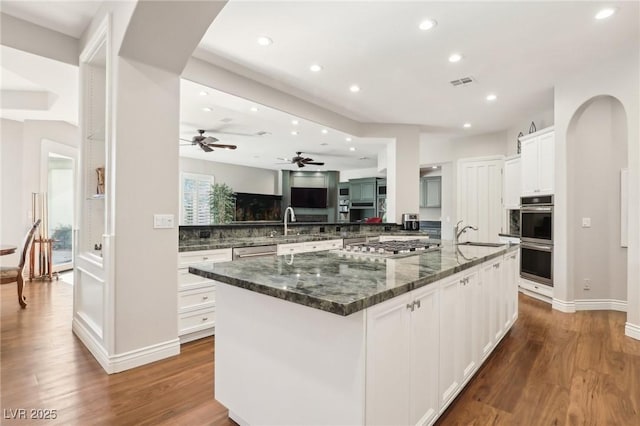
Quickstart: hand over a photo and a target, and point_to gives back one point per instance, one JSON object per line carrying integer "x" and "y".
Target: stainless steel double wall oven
{"x": 536, "y": 232}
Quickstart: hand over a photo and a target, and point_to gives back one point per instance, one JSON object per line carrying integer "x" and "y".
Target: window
{"x": 195, "y": 190}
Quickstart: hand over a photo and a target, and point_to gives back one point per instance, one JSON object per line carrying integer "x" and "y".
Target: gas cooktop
{"x": 390, "y": 248}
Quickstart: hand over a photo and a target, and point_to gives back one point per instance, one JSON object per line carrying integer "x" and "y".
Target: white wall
{"x": 240, "y": 178}
{"x": 597, "y": 151}
{"x": 12, "y": 224}
{"x": 346, "y": 175}
{"x": 616, "y": 76}
{"x": 22, "y": 144}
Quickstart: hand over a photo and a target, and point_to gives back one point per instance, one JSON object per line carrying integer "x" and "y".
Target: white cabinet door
{"x": 511, "y": 274}
{"x": 424, "y": 356}
{"x": 388, "y": 362}
{"x": 512, "y": 183}
{"x": 546, "y": 155}
{"x": 529, "y": 160}
{"x": 500, "y": 313}
{"x": 450, "y": 337}
{"x": 488, "y": 307}
{"x": 470, "y": 324}
{"x": 480, "y": 198}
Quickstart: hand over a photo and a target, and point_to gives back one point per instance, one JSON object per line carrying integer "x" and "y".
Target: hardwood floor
{"x": 551, "y": 369}
{"x": 44, "y": 366}
{"x": 555, "y": 369}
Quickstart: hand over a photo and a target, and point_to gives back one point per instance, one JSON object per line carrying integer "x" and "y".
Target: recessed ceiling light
{"x": 203, "y": 93}
{"x": 354, "y": 88}
{"x": 353, "y": 148}
{"x": 434, "y": 167}
{"x": 348, "y": 139}
{"x": 294, "y": 132}
{"x": 491, "y": 97}
{"x": 466, "y": 125}
{"x": 324, "y": 131}
{"x": 427, "y": 24}
{"x": 605, "y": 13}
{"x": 315, "y": 68}
{"x": 264, "y": 41}
{"x": 294, "y": 122}
{"x": 324, "y": 144}
{"x": 455, "y": 57}
{"x": 254, "y": 109}
{"x": 206, "y": 109}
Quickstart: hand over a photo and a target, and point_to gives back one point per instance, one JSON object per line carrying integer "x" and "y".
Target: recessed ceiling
{"x": 517, "y": 50}
{"x": 67, "y": 17}
{"x": 265, "y": 135}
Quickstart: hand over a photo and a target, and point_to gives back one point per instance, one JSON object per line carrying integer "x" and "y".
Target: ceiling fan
{"x": 207, "y": 143}
{"x": 302, "y": 161}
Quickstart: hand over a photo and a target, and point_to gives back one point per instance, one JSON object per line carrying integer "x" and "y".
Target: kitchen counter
{"x": 236, "y": 242}
{"x": 345, "y": 283}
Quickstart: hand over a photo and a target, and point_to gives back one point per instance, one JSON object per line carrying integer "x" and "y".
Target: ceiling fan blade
{"x": 205, "y": 147}
{"x": 219, "y": 145}
{"x": 315, "y": 163}
{"x": 186, "y": 140}
{"x": 300, "y": 164}
{"x": 209, "y": 140}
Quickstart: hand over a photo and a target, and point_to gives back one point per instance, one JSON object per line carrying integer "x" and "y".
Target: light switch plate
{"x": 586, "y": 222}
{"x": 163, "y": 221}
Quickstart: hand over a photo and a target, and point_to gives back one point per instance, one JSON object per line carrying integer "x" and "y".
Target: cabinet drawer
{"x": 188, "y": 281}
{"x": 536, "y": 288}
{"x": 291, "y": 248}
{"x": 196, "y": 320}
{"x": 196, "y": 299}
{"x": 188, "y": 258}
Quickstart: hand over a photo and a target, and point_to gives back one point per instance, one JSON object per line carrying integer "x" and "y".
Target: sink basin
{"x": 471, "y": 243}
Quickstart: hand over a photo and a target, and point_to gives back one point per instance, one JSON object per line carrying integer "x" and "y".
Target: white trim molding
{"x": 632, "y": 330}
{"x": 127, "y": 360}
{"x": 600, "y": 305}
{"x": 563, "y": 305}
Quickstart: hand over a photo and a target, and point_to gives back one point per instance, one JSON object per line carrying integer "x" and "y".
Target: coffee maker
{"x": 410, "y": 222}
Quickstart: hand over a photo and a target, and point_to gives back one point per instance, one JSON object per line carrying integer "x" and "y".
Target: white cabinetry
{"x": 430, "y": 191}
{"x": 538, "y": 153}
{"x": 309, "y": 246}
{"x": 402, "y": 359}
{"x": 512, "y": 274}
{"x": 512, "y": 183}
{"x": 197, "y": 295}
{"x": 480, "y": 198}
{"x": 492, "y": 277}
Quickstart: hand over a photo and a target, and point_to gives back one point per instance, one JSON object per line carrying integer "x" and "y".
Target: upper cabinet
{"x": 362, "y": 190}
{"x": 430, "y": 191}
{"x": 512, "y": 183}
{"x": 538, "y": 162}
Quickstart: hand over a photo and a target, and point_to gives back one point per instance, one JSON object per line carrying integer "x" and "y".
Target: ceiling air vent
{"x": 464, "y": 81}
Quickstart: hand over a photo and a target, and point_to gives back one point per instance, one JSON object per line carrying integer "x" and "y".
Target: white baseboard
{"x": 90, "y": 342}
{"x": 535, "y": 295}
{"x": 632, "y": 330}
{"x": 236, "y": 418}
{"x": 127, "y": 360}
{"x": 600, "y": 305}
{"x": 568, "y": 307}
{"x": 197, "y": 335}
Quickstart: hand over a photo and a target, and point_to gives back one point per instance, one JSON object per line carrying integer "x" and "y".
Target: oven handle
{"x": 537, "y": 209}
{"x": 540, "y": 247}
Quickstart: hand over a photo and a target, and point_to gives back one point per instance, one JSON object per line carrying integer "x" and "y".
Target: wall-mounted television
{"x": 312, "y": 198}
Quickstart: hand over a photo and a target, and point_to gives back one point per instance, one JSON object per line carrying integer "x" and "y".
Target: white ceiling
{"x": 515, "y": 49}
{"x": 30, "y": 74}
{"x": 232, "y": 114}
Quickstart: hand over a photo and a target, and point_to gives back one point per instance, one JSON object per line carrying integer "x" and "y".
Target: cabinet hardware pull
{"x": 417, "y": 303}
{"x": 410, "y": 306}
{"x": 205, "y": 318}
{"x": 205, "y": 297}
{"x": 205, "y": 258}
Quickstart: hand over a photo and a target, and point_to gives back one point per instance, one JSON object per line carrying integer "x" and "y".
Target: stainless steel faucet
{"x": 457, "y": 232}
{"x": 293, "y": 218}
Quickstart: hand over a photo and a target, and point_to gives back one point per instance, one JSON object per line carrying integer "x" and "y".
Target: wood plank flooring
{"x": 555, "y": 369}
{"x": 551, "y": 369}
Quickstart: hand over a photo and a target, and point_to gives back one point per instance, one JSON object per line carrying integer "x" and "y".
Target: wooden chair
{"x": 9, "y": 274}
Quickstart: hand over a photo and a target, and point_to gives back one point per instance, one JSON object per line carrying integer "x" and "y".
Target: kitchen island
{"x": 341, "y": 338}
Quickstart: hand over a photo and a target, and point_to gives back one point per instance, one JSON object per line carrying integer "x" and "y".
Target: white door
{"x": 388, "y": 363}
{"x": 424, "y": 356}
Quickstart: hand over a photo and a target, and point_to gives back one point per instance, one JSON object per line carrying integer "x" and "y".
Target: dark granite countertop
{"x": 208, "y": 244}
{"x": 343, "y": 283}
{"x": 509, "y": 235}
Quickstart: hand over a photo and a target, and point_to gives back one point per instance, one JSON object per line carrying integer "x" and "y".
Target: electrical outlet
{"x": 586, "y": 222}
{"x": 587, "y": 284}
